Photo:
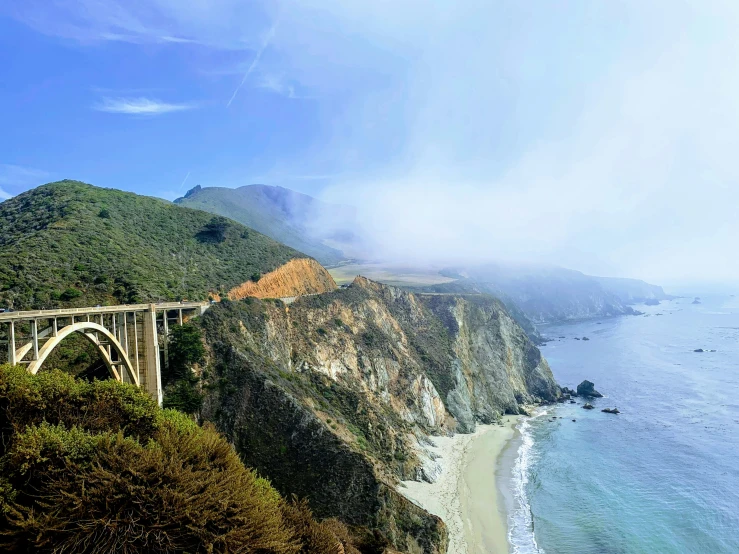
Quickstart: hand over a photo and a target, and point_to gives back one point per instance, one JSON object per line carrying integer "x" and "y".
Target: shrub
{"x": 185, "y": 350}
{"x": 70, "y": 294}
{"x": 98, "y": 467}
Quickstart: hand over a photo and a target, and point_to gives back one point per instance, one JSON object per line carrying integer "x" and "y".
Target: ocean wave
{"x": 520, "y": 520}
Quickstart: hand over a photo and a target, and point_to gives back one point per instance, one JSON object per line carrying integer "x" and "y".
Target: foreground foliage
{"x": 98, "y": 467}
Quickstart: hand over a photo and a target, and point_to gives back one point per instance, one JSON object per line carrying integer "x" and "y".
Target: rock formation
{"x": 587, "y": 389}
{"x": 295, "y": 278}
{"x": 334, "y": 396}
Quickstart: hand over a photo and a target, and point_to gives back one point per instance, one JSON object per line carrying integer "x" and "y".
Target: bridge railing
{"x": 62, "y": 312}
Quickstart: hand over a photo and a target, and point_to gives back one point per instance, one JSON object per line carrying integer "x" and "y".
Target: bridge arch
{"x": 91, "y": 332}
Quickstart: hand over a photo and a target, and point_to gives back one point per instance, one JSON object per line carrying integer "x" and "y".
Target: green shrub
{"x": 98, "y": 467}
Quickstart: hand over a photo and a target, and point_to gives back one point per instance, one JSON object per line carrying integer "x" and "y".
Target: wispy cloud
{"x": 255, "y": 62}
{"x": 279, "y": 84}
{"x": 17, "y": 178}
{"x": 139, "y": 106}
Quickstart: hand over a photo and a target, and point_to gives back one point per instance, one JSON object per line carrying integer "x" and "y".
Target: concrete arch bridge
{"x": 131, "y": 339}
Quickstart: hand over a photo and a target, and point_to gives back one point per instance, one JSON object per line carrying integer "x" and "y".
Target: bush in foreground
{"x": 98, "y": 467}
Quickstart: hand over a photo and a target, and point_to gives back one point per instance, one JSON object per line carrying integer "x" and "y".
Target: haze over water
{"x": 663, "y": 476}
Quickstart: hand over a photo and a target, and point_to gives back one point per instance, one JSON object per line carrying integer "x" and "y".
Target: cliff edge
{"x": 335, "y": 396}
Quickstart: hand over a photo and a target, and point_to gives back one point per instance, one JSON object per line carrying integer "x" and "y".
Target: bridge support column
{"x": 34, "y": 331}
{"x": 11, "y": 344}
{"x": 153, "y": 377}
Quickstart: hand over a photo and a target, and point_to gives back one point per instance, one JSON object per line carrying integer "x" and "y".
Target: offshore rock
{"x": 610, "y": 410}
{"x": 587, "y": 389}
{"x": 588, "y": 406}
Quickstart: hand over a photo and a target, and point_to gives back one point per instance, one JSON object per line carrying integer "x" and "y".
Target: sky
{"x": 600, "y": 136}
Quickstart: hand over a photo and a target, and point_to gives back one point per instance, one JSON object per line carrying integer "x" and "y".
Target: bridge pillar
{"x": 11, "y": 344}
{"x": 34, "y": 331}
{"x": 153, "y": 375}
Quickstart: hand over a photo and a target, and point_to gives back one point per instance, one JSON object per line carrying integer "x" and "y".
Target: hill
{"x": 544, "y": 294}
{"x": 292, "y": 218}
{"x": 70, "y": 243}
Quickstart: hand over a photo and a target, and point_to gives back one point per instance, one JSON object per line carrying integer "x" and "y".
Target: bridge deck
{"x": 66, "y": 312}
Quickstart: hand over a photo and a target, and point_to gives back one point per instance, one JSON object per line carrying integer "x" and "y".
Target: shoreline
{"x": 468, "y": 495}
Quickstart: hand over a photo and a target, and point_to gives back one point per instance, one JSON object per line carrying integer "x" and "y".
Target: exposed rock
{"x": 588, "y": 406}
{"x": 585, "y": 338}
{"x": 587, "y": 389}
{"x": 577, "y": 338}
{"x": 295, "y": 278}
{"x": 574, "y": 420}
{"x": 333, "y": 396}
{"x": 573, "y": 402}
{"x": 610, "y": 410}
{"x": 698, "y": 350}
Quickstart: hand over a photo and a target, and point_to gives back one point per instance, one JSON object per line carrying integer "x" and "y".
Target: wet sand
{"x": 466, "y": 494}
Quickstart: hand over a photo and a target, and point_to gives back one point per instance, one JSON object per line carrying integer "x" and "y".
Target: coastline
{"x": 467, "y": 493}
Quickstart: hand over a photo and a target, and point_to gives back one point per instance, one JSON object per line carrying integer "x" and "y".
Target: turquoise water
{"x": 661, "y": 477}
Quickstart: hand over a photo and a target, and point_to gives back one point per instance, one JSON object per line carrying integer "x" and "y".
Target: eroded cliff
{"x": 335, "y": 396}
{"x": 295, "y": 278}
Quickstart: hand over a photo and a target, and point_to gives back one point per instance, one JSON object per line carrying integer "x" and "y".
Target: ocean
{"x": 662, "y": 476}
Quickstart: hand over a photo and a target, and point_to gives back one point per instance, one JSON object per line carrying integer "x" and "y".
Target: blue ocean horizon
{"x": 662, "y": 476}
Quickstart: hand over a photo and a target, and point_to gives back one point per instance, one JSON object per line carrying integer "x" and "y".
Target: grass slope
{"x": 275, "y": 211}
{"x": 71, "y": 244}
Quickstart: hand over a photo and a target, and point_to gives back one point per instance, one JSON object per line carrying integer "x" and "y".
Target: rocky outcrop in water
{"x": 334, "y": 396}
{"x": 587, "y": 389}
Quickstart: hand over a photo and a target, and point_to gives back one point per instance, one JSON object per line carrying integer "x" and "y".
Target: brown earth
{"x": 295, "y": 278}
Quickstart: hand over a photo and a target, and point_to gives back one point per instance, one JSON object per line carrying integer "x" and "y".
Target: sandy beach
{"x": 465, "y": 495}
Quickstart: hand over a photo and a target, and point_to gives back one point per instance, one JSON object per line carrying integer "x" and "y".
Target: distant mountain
{"x": 297, "y": 220}
{"x": 70, "y": 243}
{"x": 632, "y": 291}
{"x": 543, "y": 294}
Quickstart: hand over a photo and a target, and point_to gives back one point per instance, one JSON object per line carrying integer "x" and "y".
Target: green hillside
{"x": 277, "y": 212}
{"x": 70, "y": 244}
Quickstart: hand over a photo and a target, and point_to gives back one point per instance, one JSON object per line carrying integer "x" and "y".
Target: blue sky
{"x": 597, "y": 135}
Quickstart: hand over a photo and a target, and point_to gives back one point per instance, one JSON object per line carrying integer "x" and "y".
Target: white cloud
{"x": 17, "y": 178}
{"x": 227, "y": 24}
{"x": 139, "y": 106}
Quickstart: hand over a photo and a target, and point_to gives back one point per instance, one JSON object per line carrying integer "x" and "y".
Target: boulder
{"x": 587, "y": 389}
{"x": 610, "y": 410}
{"x": 588, "y": 406}
{"x": 573, "y": 402}
{"x": 585, "y": 338}
{"x": 698, "y": 350}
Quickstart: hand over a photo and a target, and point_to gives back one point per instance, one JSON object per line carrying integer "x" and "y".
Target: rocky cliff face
{"x": 632, "y": 291}
{"x": 295, "y": 278}
{"x": 333, "y": 397}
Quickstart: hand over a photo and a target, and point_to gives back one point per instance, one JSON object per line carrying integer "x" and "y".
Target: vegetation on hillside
{"x": 98, "y": 467}
{"x": 73, "y": 244}
{"x": 181, "y": 384}
{"x": 277, "y": 212}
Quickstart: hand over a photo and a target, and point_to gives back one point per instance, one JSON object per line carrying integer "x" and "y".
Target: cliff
{"x": 543, "y": 294}
{"x": 334, "y": 396}
{"x": 632, "y": 291}
{"x": 295, "y": 278}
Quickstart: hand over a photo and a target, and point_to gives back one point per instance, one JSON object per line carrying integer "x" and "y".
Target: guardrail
{"x": 62, "y": 312}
